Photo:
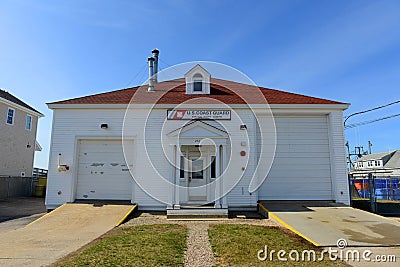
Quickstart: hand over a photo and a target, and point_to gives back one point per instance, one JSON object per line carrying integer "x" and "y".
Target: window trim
{"x": 30, "y": 123}
{"x": 12, "y": 118}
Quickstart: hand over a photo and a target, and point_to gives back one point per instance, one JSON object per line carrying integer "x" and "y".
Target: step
{"x": 197, "y": 214}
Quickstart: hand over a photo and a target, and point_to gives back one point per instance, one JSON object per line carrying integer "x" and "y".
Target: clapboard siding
{"x": 338, "y": 158}
{"x": 240, "y": 196}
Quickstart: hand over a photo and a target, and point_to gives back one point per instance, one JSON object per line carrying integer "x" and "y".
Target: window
{"x": 182, "y": 168}
{"x": 213, "y": 167}
{"x": 197, "y": 169}
{"x": 197, "y": 82}
{"x": 28, "y": 123}
{"x": 10, "y": 116}
{"x": 197, "y": 86}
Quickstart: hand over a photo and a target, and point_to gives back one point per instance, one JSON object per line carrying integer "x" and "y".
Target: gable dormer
{"x": 197, "y": 81}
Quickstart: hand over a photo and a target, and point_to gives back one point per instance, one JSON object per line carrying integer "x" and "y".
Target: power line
{"x": 141, "y": 71}
{"x": 370, "y": 121}
{"x": 160, "y": 59}
{"x": 368, "y": 110}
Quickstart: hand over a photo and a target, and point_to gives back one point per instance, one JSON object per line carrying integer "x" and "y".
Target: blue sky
{"x": 340, "y": 50}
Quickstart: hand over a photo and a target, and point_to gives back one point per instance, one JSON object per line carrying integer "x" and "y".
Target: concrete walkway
{"x": 324, "y": 223}
{"x": 58, "y": 233}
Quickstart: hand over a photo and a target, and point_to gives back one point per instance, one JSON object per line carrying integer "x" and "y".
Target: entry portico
{"x": 200, "y": 153}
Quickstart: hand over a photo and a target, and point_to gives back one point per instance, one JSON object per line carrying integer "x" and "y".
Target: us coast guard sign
{"x": 187, "y": 114}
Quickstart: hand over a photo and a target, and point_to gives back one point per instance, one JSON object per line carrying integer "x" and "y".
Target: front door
{"x": 197, "y": 171}
{"x": 197, "y": 178}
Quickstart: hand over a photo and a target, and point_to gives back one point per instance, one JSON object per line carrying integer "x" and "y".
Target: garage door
{"x": 102, "y": 171}
{"x": 301, "y": 168}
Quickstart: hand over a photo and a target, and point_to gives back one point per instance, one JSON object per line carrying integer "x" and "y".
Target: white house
{"x": 197, "y": 141}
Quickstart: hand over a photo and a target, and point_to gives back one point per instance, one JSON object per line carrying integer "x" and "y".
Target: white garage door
{"x": 301, "y": 168}
{"x": 102, "y": 171}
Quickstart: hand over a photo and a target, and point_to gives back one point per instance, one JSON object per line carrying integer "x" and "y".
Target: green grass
{"x": 237, "y": 245}
{"x": 145, "y": 245}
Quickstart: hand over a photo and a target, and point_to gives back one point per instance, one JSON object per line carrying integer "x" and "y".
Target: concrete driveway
{"x": 18, "y": 207}
{"x": 324, "y": 223}
{"x": 59, "y": 233}
{"x": 19, "y": 211}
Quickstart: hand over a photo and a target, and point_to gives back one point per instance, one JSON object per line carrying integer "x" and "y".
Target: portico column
{"x": 217, "y": 203}
{"x": 224, "y": 200}
{"x": 177, "y": 172}
{"x": 171, "y": 194}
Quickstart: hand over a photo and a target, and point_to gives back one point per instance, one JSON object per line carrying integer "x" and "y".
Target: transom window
{"x": 10, "y": 116}
{"x": 28, "y": 123}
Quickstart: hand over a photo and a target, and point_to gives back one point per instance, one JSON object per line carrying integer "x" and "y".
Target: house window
{"x": 213, "y": 167}
{"x": 182, "y": 168}
{"x": 197, "y": 83}
{"x": 10, "y": 116}
{"x": 28, "y": 123}
{"x": 197, "y": 86}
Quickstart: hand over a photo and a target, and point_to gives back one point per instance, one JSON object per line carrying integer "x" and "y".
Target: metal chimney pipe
{"x": 155, "y": 56}
{"x": 151, "y": 73}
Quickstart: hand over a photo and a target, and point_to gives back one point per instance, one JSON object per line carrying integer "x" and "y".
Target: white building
{"x": 199, "y": 144}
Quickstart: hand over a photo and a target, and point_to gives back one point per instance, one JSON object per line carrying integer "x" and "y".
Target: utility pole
{"x": 348, "y": 155}
{"x": 369, "y": 147}
{"x": 358, "y": 151}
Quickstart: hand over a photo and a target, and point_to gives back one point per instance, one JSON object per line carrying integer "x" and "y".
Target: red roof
{"x": 174, "y": 92}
